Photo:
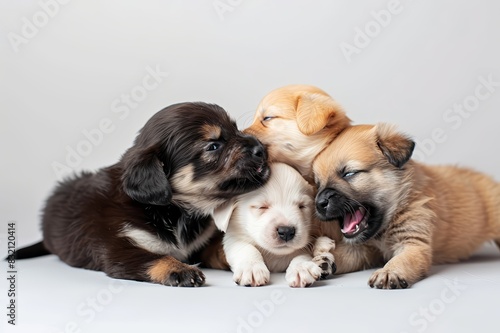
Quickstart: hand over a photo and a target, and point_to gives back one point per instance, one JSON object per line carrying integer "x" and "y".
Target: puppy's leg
{"x": 412, "y": 257}
{"x": 323, "y": 257}
{"x": 141, "y": 265}
{"x": 247, "y": 264}
{"x": 404, "y": 269}
{"x": 409, "y": 238}
{"x": 302, "y": 271}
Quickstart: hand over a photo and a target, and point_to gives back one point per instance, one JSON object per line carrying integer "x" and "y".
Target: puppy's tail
{"x": 32, "y": 251}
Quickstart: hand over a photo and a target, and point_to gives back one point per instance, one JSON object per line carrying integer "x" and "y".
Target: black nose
{"x": 254, "y": 148}
{"x": 325, "y": 201}
{"x": 286, "y": 233}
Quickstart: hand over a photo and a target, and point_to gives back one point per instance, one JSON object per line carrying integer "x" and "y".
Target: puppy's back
{"x": 467, "y": 206}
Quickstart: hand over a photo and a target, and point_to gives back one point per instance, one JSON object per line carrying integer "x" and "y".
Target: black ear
{"x": 144, "y": 178}
{"x": 395, "y": 146}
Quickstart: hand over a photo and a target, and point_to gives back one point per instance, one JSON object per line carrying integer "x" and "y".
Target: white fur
{"x": 152, "y": 243}
{"x": 252, "y": 246}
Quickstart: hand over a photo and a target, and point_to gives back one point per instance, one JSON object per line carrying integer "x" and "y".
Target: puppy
{"x": 269, "y": 229}
{"x": 146, "y": 216}
{"x": 296, "y": 123}
{"x": 414, "y": 214}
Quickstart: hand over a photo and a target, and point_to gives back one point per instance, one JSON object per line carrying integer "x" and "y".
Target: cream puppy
{"x": 270, "y": 230}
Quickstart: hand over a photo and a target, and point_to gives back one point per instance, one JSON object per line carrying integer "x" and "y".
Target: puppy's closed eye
{"x": 259, "y": 209}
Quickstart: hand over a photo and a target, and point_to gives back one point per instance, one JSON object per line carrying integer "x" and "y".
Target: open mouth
{"x": 355, "y": 223}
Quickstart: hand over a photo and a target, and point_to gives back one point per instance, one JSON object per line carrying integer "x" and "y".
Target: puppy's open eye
{"x": 213, "y": 146}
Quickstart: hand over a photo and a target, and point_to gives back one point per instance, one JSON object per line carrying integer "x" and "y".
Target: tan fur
{"x": 211, "y": 132}
{"x": 432, "y": 214}
{"x": 170, "y": 271}
{"x": 349, "y": 257}
{"x": 296, "y": 122}
{"x": 213, "y": 256}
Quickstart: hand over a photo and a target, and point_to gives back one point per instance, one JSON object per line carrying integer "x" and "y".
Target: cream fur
{"x": 252, "y": 246}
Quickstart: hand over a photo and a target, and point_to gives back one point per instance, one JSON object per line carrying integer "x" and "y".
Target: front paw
{"x": 189, "y": 276}
{"x": 170, "y": 272}
{"x": 326, "y": 262}
{"x": 385, "y": 278}
{"x": 252, "y": 274}
{"x": 303, "y": 274}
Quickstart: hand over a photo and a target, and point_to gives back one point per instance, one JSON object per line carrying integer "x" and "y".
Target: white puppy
{"x": 270, "y": 230}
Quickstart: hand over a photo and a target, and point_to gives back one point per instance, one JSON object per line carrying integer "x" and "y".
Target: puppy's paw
{"x": 252, "y": 274}
{"x": 303, "y": 274}
{"x": 387, "y": 279}
{"x": 323, "y": 244}
{"x": 326, "y": 262}
{"x": 170, "y": 272}
{"x": 323, "y": 256}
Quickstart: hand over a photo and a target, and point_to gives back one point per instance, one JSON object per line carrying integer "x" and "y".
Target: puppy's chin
{"x": 281, "y": 249}
{"x": 276, "y": 246}
{"x": 248, "y": 179}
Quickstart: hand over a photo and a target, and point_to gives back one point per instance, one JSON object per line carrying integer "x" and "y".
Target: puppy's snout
{"x": 254, "y": 148}
{"x": 258, "y": 151}
{"x": 286, "y": 233}
{"x": 324, "y": 201}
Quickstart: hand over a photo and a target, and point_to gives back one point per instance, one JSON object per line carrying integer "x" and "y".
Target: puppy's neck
{"x": 197, "y": 205}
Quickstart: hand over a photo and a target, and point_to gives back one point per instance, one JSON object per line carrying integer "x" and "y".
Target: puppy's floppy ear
{"x": 144, "y": 178}
{"x": 223, "y": 213}
{"x": 396, "y": 147}
{"x": 316, "y": 111}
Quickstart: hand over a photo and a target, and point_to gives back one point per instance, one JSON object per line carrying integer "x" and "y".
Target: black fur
{"x": 85, "y": 218}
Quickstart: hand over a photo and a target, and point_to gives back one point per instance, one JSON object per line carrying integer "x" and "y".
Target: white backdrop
{"x": 80, "y": 78}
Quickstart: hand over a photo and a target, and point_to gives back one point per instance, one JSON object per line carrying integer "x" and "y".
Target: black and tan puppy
{"x": 413, "y": 214}
{"x": 146, "y": 216}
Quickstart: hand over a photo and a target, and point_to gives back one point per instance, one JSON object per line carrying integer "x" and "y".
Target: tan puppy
{"x": 415, "y": 214}
{"x": 296, "y": 122}
{"x": 270, "y": 230}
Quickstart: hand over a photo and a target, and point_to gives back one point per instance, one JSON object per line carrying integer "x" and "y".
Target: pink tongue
{"x": 351, "y": 221}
